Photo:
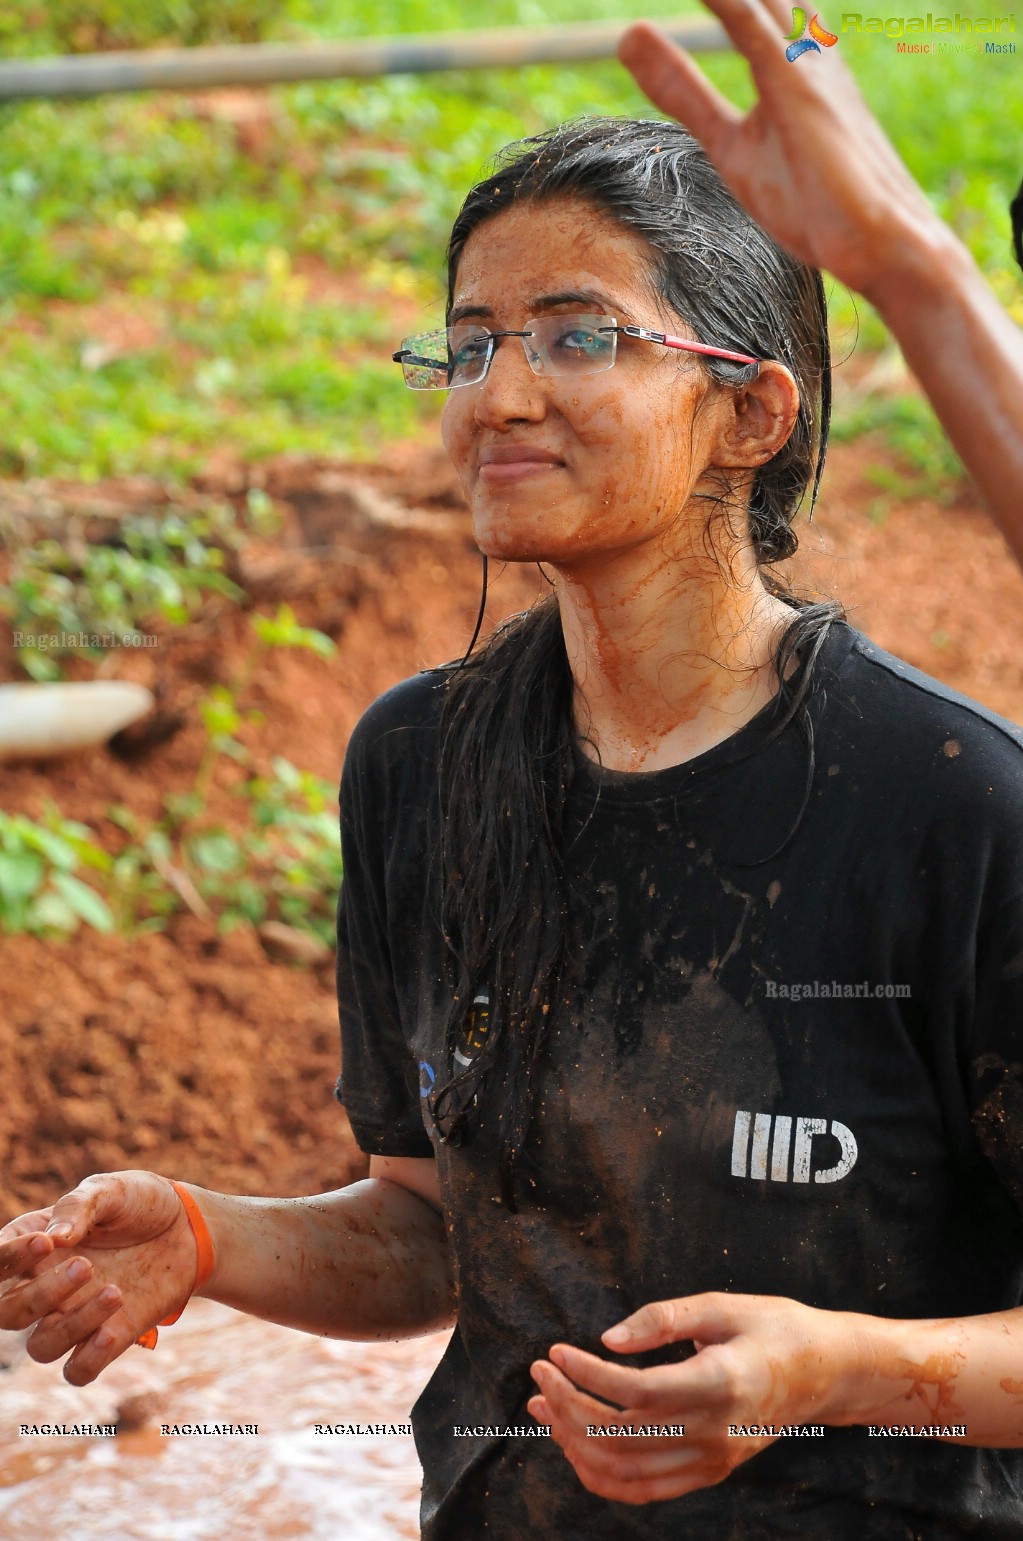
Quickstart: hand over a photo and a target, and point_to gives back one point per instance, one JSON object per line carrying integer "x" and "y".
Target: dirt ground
{"x": 201, "y": 1056}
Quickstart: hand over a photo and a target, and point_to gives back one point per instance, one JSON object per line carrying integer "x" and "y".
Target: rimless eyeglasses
{"x": 553, "y": 345}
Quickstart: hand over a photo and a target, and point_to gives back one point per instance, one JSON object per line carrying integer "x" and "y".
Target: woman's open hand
{"x": 101, "y": 1266}
{"x": 760, "y": 1360}
{"x": 809, "y": 161}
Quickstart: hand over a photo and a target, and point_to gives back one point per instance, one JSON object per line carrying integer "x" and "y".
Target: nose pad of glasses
{"x": 535, "y": 356}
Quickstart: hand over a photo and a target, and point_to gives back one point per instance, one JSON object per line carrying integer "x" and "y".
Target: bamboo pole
{"x": 262, "y": 64}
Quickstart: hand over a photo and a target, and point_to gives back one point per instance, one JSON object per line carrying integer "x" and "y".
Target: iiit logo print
{"x": 799, "y": 44}
{"x": 757, "y": 1134}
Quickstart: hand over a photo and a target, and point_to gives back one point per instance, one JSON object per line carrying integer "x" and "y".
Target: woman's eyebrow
{"x": 572, "y": 297}
{"x": 540, "y": 303}
{"x": 463, "y": 312}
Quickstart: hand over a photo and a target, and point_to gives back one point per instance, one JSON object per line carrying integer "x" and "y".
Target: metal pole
{"x": 260, "y": 64}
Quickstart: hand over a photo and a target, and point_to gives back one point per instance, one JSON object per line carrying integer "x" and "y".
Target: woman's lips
{"x": 516, "y": 470}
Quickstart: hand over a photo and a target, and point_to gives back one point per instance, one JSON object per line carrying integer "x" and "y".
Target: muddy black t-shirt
{"x": 797, "y": 1076}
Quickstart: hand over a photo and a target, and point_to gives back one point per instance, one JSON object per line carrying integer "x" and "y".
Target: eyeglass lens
{"x": 554, "y": 345}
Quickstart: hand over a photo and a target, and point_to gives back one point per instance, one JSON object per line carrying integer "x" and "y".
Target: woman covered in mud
{"x": 680, "y": 951}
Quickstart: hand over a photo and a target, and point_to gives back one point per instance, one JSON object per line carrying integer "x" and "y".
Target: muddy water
{"x": 286, "y": 1483}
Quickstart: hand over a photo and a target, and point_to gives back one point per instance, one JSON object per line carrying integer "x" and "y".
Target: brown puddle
{"x": 216, "y": 1366}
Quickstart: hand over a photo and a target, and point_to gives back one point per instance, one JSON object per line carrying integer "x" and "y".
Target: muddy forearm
{"x": 966, "y": 1372}
{"x": 368, "y": 1261}
{"x": 968, "y": 356}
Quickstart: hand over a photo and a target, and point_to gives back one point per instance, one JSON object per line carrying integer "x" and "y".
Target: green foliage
{"x": 927, "y": 464}
{"x": 283, "y": 864}
{"x": 85, "y": 26}
{"x": 284, "y": 630}
{"x": 288, "y": 865}
{"x": 139, "y": 890}
{"x": 40, "y": 892}
{"x": 211, "y": 230}
{"x": 162, "y": 566}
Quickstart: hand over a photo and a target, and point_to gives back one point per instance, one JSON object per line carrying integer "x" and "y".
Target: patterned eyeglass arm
{"x": 683, "y": 342}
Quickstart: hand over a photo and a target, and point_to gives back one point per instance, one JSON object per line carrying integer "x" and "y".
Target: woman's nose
{"x": 510, "y": 391}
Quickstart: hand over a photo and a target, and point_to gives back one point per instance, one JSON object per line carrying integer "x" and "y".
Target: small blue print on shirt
{"x": 427, "y": 1077}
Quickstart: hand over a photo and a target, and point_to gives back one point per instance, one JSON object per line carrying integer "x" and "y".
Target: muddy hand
{"x": 23, "y": 1246}
{"x": 106, "y": 1262}
{"x": 809, "y": 161}
{"x": 760, "y": 1360}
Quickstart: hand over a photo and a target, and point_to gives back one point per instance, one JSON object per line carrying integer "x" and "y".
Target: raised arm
{"x": 115, "y": 1256}
{"x": 812, "y": 165}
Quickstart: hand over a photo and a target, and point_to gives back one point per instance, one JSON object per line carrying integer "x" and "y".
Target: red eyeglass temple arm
{"x": 684, "y": 343}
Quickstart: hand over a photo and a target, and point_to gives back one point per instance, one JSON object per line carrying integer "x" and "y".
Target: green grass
{"x": 156, "y": 203}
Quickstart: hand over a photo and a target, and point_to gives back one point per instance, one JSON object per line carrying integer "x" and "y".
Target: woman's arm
{"x": 812, "y": 165}
{"x": 367, "y": 1261}
{"x": 763, "y": 1360}
{"x": 115, "y": 1256}
{"x": 968, "y": 356}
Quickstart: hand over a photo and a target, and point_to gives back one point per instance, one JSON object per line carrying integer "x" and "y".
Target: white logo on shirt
{"x": 772, "y": 1134}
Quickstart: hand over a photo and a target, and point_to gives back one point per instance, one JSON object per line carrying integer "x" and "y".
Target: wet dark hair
{"x": 507, "y": 734}
{"x": 1016, "y": 216}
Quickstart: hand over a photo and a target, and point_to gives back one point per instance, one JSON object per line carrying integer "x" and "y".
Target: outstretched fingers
{"x": 674, "y": 83}
{"x": 756, "y": 27}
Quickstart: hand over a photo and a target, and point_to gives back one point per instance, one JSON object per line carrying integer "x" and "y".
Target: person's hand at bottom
{"x": 760, "y": 1360}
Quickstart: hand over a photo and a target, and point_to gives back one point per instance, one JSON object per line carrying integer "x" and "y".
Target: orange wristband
{"x": 203, "y": 1264}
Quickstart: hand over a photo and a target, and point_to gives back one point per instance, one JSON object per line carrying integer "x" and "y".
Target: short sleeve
{"x": 379, "y": 1081}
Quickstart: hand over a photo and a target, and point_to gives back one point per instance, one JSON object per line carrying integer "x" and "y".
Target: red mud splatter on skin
{"x": 1012, "y": 1388}
{"x": 939, "y": 1371}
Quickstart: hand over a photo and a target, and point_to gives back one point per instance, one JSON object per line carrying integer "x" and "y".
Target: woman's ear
{"x": 758, "y": 418}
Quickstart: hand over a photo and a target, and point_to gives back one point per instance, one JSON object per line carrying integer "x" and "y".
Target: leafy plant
{"x": 140, "y": 886}
{"x": 40, "y": 892}
{"x": 221, "y": 714}
{"x": 285, "y": 864}
{"x": 295, "y": 817}
{"x": 162, "y": 566}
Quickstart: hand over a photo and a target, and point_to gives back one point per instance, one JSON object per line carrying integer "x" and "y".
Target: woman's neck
{"x": 668, "y": 658}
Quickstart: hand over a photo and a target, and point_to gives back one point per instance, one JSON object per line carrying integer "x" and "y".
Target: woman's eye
{"x": 581, "y": 341}
{"x": 469, "y": 352}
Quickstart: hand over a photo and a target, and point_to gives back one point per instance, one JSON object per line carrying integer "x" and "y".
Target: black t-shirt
{"x": 798, "y": 1076}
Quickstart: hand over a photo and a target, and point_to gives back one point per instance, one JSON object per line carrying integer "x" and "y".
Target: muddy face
{"x": 610, "y": 461}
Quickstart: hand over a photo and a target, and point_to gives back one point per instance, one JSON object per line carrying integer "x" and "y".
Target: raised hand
{"x": 808, "y": 161}
{"x": 93, "y": 1272}
{"x": 812, "y": 165}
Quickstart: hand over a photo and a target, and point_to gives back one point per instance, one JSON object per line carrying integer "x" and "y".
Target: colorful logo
{"x": 799, "y": 43}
